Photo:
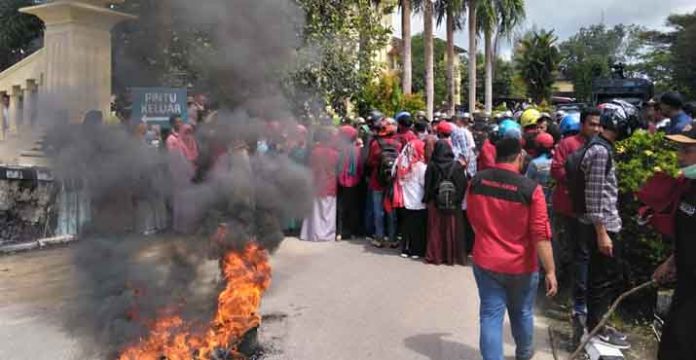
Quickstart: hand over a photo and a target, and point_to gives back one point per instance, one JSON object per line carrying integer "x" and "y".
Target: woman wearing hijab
{"x": 321, "y": 223}
{"x": 183, "y": 153}
{"x": 443, "y": 246}
{"x": 409, "y": 193}
{"x": 350, "y": 171}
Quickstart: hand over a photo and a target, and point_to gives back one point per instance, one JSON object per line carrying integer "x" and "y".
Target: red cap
{"x": 544, "y": 140}
{"x": 445, "y": 128}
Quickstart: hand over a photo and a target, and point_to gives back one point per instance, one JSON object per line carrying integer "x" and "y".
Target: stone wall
{"x": 27, "y": 198}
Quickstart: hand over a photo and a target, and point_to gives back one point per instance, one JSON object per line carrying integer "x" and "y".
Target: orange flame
{"x": 247, "y": 275}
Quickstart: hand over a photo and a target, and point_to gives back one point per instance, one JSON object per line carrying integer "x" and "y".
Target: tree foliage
{"x": 331, "y": 71}
{"x": 538, "y": 59}
{"x": 19, "y": 33}
{"x": 591, "y": 52}
{"x": 439, "y": 67}
{"x": 386, "y": 96}
{"x": 668, "y": 58}
{"x": 503, "y": 78}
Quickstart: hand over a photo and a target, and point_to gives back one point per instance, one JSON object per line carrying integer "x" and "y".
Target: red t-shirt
{"x": 561, "y": 198}
{"x": 507, "y": 225}
{"x": 324, "y": 164}
{"x": 486, "y": 159}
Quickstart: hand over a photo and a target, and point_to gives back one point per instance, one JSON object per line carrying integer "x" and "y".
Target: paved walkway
{"x": 328, "y": 301}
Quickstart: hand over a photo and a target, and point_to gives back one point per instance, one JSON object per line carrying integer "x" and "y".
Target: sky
{"x": 568, "y": 16}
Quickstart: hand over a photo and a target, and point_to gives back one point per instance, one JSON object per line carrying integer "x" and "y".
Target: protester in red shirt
{"x": 405, "y": 133}
{"x": 509, "y": 217}
{"x": 507, "y": 129}
{"x": 486, "y": 158}
{"x": 568, "y": 247}
{"x": 385, "y": 140}
{"x": 321, "y": 223}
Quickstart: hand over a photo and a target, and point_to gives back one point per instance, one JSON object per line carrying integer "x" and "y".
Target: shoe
{"x": 376, "y": 243}
{"x": 617, "y": 333}
{"x": 339, "y": 237}
{"x": 611, "y": 337}
{"x": 415, "y": 257}
{"x": 404, "y": 255}
{"x": 579, "y": 323}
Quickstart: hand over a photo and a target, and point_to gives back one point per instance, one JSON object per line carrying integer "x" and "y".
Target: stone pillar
{"x": 13, "y": 112}
{"x": 3, "y": 120}
{"x": 29, "y": 104}
{"x": 77, "y": 45}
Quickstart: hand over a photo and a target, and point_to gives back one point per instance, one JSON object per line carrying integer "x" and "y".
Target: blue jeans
{"x": 379, "y": 217}
{"x": 516, "y": 293}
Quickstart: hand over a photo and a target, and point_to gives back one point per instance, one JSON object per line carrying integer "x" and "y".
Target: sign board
{"x": 156, "y": 105}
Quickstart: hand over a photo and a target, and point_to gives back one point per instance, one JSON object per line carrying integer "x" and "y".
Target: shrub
{"x": 637, "y": 159}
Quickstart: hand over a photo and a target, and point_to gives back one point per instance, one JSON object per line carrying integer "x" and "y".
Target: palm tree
{"x": 406, "y": 51}
{"x": 472, "y": 55}
{"x": 497, "y": 18}
{"x": 452, "y": 11}
{"x": 538, "y": 61}
{"x": 428, "y": 45}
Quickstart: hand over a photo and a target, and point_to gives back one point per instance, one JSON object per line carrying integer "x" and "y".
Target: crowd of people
{"x": 443, "y": 191}
{"x": 507, "y": 194}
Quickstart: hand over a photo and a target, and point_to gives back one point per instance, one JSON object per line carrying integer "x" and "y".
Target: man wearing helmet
{"x": 600, "y": 224}
{"x": 569, "y": 248}
{"x": 530, "y": 123}
{"x": 385, "y": 143}
{"x": 405, "y": 133}
{"x": 506, "y": 129}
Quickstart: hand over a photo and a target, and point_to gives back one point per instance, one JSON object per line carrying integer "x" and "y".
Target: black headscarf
{"x": 442, "y": 163}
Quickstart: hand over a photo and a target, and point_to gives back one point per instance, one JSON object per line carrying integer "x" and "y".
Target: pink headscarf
{"x": 189, "y": 146}
{"x": 348, "y": 132}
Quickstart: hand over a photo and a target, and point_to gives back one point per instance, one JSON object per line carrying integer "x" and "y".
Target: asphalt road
{"x": 328, "y": 301}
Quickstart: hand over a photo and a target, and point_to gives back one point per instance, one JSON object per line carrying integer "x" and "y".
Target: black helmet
{"x": 626, "y": 115}
{"x": 374, "y": 117}
{"x": 614, "y": 118}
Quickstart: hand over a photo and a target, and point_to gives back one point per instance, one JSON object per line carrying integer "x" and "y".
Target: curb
{"x": 37, "y": 244}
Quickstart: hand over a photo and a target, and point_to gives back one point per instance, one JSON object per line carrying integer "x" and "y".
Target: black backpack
{"x": 576, "y": 177}
{"x": 387, "y": 159}
{"x": 447, "y": 193}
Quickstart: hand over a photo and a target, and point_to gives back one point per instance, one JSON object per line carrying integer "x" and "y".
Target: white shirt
{"x": 413, "y": 186}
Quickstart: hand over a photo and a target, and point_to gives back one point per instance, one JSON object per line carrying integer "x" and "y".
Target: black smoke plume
{"x": 124, "y": 279}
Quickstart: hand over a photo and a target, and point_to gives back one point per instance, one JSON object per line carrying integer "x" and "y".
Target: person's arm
{"x": 541, "y": 235}
{"x": 596, "y": 160}
{"x": 667, "y": 272}
{"x": 428, "y": 183}
{"x": 558, "y": 164}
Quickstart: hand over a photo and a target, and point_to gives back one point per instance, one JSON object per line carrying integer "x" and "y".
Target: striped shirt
{"x": 601, "y": 190}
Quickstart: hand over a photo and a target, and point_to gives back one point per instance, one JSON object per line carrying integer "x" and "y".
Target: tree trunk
{"x": 489, "y": 71}
{"x": 472, "y": 56}
{"x": 451, "y": 89}
{"x": 428, "y": 44}
{"x": 406, "y": 37}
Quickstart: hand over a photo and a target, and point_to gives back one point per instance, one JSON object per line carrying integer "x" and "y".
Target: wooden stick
{"x": 608, "y": 314}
